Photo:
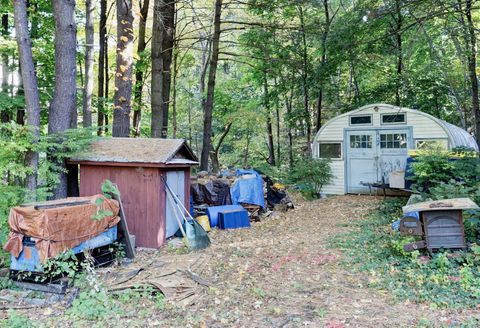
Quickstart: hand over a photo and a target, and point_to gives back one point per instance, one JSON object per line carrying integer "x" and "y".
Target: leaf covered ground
{"x": 282, "y": 272}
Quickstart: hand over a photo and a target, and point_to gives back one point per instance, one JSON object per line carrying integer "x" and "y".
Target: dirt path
{"x": 282, "y": 273}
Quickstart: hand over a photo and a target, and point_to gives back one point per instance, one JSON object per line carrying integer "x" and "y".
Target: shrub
{"x": 311, "y": 175}
{"x": 443, "y": 175}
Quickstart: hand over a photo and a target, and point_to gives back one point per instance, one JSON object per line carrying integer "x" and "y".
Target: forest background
{"x": 246, "y": 83}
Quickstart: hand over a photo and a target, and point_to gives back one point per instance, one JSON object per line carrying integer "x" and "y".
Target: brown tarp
{"x": 57, "y": 229}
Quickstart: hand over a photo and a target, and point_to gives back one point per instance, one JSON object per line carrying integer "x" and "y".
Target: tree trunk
{"x": 323, "y": 63}
{"x": 5, "y": 116}
{"x": 162, "y": 46}
{"x": 398, "y": 38}
{"x": 140, "y": 71}
{"x": 271, "y": 147}
{"x": 89, "y": 41}
{"x": 305, "y": 74}
{"x": 288, "y": 105}
{"x": 101, "y": 66}
{"x": 247, "y": 150}
{"x": 63, "y": 108}
{"x": 208, "y": 108}
{"x": 123, "y": 74}
{"x": 472, "y": 68}
{"x": 214, "y": 154}
{"x": 30, "y": 86}
{"x": 174, "y": 95}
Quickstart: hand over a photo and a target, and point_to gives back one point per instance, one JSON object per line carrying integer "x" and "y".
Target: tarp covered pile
{"x": 243, "y": 187}
{"x": 56, "y": 226}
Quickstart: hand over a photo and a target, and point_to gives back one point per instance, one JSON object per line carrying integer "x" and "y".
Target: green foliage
{"x": 443, "y": 175}
{"x": 64, "y": 264}
{"x": 447, "y": 280}
{"x": 92, "y": 305}
{"x": 17, "y": 320}
{"x": 15, "y": 142}
{"x": 109, "y": 189}
{"x": 311, "y": 175}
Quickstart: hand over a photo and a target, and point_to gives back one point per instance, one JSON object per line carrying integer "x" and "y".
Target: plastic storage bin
{"x": 233, "y": 219}
{"x": 213, "y": 211}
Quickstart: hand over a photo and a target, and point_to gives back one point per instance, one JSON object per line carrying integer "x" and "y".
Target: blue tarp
{"x": 248, "y": 190}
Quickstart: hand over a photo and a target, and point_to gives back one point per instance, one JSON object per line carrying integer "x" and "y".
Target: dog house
{"x": 138, "y": 166}
{"x": 367, "y": 144}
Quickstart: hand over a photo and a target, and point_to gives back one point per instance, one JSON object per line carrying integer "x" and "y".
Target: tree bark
{"x": 288, "y": 105}
{"x": 63, "y": 108}
{"x": 30, "y": 86}
{"x": 214, "y": 154}
{"x": 398, "y": 40}
{"x": 123, "y": 74}
{"x": 472, "y": 68}
{"x": 266, "y": 103}
{"x": 140, "y": 71}
{"x": 305, "y": 74}
{"x": 162, "y": 45}
{"x": 101, "y": 66}
{"x": 5, "y": 116}
{"x": 323, "y": 64}
{"x": 208, "y": 108}
{"x": 89, "y": 41}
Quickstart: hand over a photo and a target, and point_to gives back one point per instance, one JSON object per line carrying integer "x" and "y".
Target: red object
{"x": 139, "y": 181}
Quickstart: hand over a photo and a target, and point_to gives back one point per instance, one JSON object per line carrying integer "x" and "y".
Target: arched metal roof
{"x": 458, "y": 136}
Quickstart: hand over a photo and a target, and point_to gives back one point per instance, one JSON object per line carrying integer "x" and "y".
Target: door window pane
{"x": 361, "y": 141}
{"x": 393, "y": 140}
{"x": 330, "y": 150}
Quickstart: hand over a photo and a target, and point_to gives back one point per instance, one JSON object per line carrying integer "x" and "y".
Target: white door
{"x": 176, "y": 182}
{"x": 373, "y": 154}
{"x": 362, "y": 160}
{"x": 393, "y": 150}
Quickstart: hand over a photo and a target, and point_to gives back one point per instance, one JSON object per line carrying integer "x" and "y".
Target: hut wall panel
{"x": 141, "y": 197}
{"x": 336, "y": 187}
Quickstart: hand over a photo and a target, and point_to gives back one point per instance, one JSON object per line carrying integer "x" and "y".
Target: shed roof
{"x": 138, "y": 150}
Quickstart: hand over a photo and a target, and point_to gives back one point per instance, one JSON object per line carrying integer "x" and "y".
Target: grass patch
{"x": 444, "y": 280}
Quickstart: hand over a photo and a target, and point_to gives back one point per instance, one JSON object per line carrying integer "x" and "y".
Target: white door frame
{"x": 405, "y": 128}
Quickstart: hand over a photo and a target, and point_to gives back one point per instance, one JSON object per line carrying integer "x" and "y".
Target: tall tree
{"x": 30, "y": 85}
{"x": 102, "y": 44}
{"x": 162, "y": 48}
{"x": 4, "y": 115}
{"x": 63, "y": 108}
{"x": 89, "y": 51}
{"x": 323, "y": 63}
{"x": 140, "y": 66}
{"x": 208, "y": 106}
{"x": 123, "y": 73}
{"x": 471, "y": 39}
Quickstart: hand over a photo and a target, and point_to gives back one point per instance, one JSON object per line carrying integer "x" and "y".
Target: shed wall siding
{"x": 142, "y": 197}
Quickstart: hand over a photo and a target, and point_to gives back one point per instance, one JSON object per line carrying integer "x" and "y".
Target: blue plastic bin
{"x": 213, "y": 211}
{"x": 233, "y": 219}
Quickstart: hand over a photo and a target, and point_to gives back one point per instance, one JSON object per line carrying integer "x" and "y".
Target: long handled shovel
{"x": 197, "y": 237}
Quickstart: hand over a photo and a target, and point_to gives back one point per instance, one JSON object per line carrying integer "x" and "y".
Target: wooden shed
{"x": 137, "y": 165}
